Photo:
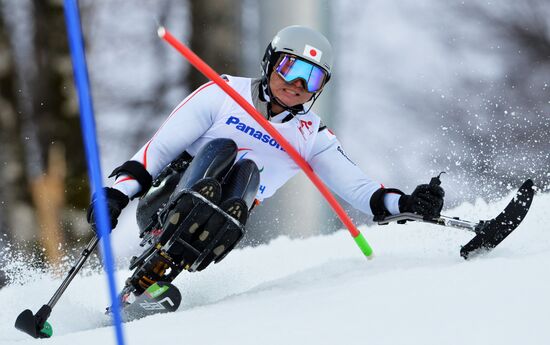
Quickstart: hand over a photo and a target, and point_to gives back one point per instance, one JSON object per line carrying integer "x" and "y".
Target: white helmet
{"x": 305, "y": 43}
{"x": 301, "y": 41}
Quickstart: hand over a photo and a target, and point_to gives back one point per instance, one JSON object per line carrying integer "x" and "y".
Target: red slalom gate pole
{"x": 199, "y": 64}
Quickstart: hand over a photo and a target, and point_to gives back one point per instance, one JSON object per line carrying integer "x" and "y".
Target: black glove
{"x": 426, "y": 200}
{"x": 116, "y": 201}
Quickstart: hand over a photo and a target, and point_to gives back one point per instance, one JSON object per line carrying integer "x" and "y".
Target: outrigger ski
{"x": 489, "y": 233}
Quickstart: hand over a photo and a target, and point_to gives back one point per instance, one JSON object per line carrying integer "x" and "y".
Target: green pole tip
{"x": 47, "y": 330}
{"x": 364, "y": 246}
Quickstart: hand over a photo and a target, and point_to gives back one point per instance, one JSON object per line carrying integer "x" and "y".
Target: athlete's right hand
{"x": 116, "y": 201}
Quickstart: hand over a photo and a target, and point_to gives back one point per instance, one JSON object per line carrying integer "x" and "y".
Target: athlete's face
{"x": 290, "y": 94}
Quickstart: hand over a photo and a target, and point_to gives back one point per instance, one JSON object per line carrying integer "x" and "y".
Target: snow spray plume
{"x": 22, "y": 264}
{"x": 199, "y": 64}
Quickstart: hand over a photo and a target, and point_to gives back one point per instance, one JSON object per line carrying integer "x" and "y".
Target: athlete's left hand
{"x": 426, "y": 200}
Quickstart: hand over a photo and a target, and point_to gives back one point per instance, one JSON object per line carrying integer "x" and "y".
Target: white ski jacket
{"x": 209, "y": 113}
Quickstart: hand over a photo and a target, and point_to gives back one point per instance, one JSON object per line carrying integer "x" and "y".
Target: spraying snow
{"x": 321, "y": 290}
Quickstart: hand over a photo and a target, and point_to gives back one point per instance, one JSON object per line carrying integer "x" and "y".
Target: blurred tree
{"x": 167, "y": 80}
{"x": 6, "y": 146}
{"x": 216, "y": 37}
{"x": 38, "y": 124}
{"x": 6, "y": 129}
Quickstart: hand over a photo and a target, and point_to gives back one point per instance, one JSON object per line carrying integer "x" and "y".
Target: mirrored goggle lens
{"x": 290, "y": 69}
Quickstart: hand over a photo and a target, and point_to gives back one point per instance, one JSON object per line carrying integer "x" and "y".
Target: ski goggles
{"x": 290, "y": 68}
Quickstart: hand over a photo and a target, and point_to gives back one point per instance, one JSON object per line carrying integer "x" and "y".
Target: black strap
{"x": 287, "y": 118}
{"x": 321, "y": 126}
{"x": 377, "y": 206}
{"x": 137, "y": 171}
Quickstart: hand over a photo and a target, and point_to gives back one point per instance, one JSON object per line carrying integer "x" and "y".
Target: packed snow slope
{"x": 321, "y": 290}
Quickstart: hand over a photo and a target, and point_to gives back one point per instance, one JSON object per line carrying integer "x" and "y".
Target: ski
{"x": 159, "y": 298}
{"x": 489, "y": 233}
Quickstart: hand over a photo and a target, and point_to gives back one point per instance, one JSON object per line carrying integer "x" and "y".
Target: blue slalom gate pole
{"x": 76, "y": 45}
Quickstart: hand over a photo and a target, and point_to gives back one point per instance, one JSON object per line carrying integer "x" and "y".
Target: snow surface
{"x": 320, "y": 290}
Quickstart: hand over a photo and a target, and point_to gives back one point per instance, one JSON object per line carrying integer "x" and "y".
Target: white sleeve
{"x": 344, "y": 177}
{"x": 187, "y": 122}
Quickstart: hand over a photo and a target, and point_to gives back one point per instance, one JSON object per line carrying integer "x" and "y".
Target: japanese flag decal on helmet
{"x": 313, "y": 53}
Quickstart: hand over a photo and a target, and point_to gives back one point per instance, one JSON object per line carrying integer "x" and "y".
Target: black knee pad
{"x": 239, "y": 190}
{"x": 242, "y": 182}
